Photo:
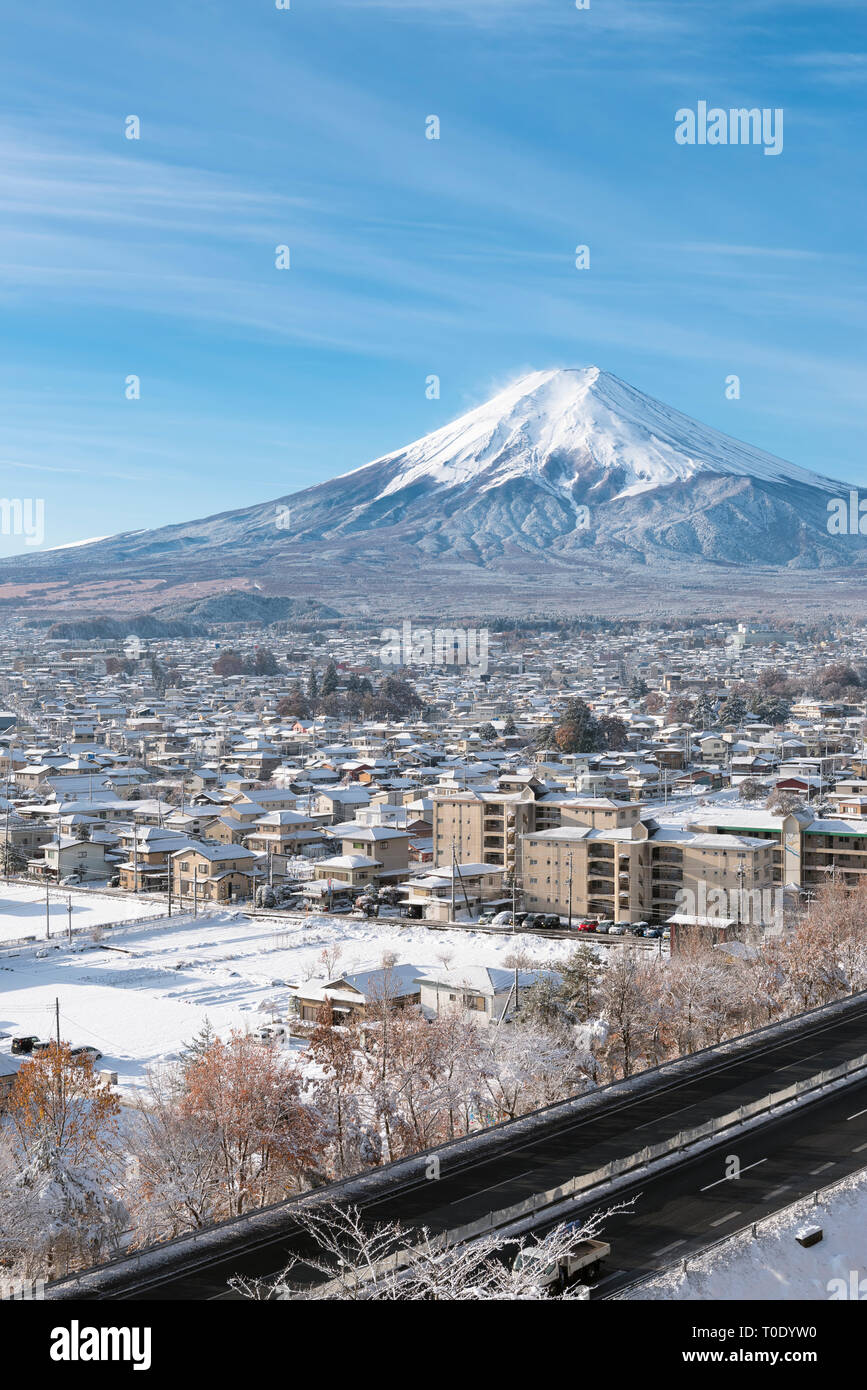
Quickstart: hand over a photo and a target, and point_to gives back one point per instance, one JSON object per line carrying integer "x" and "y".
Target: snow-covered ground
{"x": 680, "y": 807}
{"x": 22, "y": 909}
{"x": 773, "y": 1266}
{"x": 143, "y": 992}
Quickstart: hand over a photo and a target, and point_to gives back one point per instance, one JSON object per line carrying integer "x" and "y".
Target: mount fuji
{"x": 567, "y": 481}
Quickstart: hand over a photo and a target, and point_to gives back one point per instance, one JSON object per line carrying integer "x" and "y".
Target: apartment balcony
{"x": 493, "y": 842}
{"x": 599, "y": 885}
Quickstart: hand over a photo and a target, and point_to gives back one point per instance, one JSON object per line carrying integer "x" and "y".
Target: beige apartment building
{"x": 807, "y": 849}
{"x": 489, "y": 827}
{"x": 637, "y": 872}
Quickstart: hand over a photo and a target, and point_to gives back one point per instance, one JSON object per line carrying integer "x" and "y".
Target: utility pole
{"x": 57, "y": 1020}
{"x": 69, "y": 915}
{"x": 170, "y": 866}
{"x": 195, "y": 890}
{"x": 47, "y": 914}
{"x": 570, "y": 890}
{"x": 453, "y": 880}
{"x": 135, "y": 857}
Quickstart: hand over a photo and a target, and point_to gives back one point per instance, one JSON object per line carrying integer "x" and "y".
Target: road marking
{"x": 823, "y": 1168}
{"x": 665, "y": 1249}
{"x": 776, "y": 1192}
{"x": 857, "y": 1113}
{"x": 732, "y": 1179}
{"x": 859, "y": 1148}
{"x": 516, "y": 1178}
{"x": 799, "y": 1063}
{"x": 720, "y": 1219}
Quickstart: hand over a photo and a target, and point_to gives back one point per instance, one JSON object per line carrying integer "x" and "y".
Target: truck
{"x": 580, "y": 1265}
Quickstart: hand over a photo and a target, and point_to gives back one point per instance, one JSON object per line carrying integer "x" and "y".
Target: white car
{"x": 270, "y": 1033}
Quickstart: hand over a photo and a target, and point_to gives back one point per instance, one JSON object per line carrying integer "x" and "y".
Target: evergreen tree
{"x": 732, "y": 710}
{"x": 329, "y": 679}
{"x": 581, "y": 973}
{"x": 704, "y": 713}
{"x": 313, "y": 689}
{"x": 200, "y": 1045}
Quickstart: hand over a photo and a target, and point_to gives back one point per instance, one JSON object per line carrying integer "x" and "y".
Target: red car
{"x": 586, "y": 926}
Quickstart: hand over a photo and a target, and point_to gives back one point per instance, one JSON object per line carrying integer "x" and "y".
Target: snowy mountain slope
{"x": 591, "y": 416}
{"x": 569, "y": 473}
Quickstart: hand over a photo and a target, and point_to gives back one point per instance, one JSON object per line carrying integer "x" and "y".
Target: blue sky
{"x": 410, "y": 257}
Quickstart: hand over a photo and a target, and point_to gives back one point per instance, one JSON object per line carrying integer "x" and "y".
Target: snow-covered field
{"x": 773, "y": 1266}
{"x": 22, "y": 909}
{"x": 144, "y": 991}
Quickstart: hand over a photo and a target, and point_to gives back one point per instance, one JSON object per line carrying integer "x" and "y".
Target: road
{"x": 510, "y": 1164}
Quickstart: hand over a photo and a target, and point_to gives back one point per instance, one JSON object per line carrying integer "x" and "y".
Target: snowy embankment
{"x": 772, "y": 1265}
{"x": 23, "y": 909}
{"x": 142, "y": 992}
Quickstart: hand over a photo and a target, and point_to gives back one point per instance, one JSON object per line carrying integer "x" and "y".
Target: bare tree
{"x": 384, "y": 1262}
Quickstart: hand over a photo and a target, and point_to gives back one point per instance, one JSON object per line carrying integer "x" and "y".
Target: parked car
{"x": 69, "y": 880}
{"x": 270, "y": 1033}
{"x": 534, "y": 919}
{"x": 22, "y": 1046}
{"x": 551, "y": 921}
{"x": 92, "y": 1052}
{"x": 618, "y": 929}
{"x": 655, "y": 932}
{"x": 604, "y": 926}
{"x": 637, "y": 928}
{"x": 502, "y": 919}
{"x": 586, "y": 926}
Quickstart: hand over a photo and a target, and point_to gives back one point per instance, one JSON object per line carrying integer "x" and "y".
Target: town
{"x": 615, "y": 781}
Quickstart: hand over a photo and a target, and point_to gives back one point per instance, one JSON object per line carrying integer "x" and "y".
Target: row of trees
{"x": 356, "y": 698}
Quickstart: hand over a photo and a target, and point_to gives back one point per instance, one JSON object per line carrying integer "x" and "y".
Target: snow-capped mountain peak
{"x": 585, "y": 416}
